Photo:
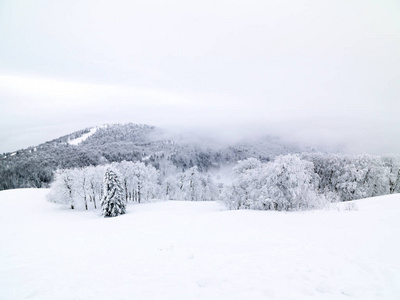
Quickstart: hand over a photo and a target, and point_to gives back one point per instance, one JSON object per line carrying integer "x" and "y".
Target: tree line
{"x": 83, "y": 187}
{"x": 289, "y": 182}
{"x": 35, "y": 167}
{"x": 295, "y": 182}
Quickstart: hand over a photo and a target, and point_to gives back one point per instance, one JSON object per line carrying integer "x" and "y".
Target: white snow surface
{"x": 83, "y": 137}
{"x": 197, "y": 250}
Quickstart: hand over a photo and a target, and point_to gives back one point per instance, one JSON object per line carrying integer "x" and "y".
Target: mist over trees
{"x": 151, "y": 164}
{"x": 36, "y": 166}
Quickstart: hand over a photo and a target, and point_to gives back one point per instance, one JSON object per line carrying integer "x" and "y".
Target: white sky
{"x": 312, "y": 71}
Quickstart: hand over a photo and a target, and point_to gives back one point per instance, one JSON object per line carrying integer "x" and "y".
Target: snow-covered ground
{"x": 186, "y": 250}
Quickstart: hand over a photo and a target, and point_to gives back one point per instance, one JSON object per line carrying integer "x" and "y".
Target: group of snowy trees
{"x": 356, "y": 177}
{"x": 83, "y": 188}
{"x": 76, "y": 187}
{"x": 190, "y": 185}
{"x": 287, "y": 183}
{"x": 294, "y": 182}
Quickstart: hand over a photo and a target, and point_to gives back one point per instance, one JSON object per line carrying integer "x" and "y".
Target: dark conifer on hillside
{"x": 112, "y": 202}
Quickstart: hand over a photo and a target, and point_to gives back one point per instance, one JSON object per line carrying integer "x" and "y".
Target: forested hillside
{"x": 35, "y": 166}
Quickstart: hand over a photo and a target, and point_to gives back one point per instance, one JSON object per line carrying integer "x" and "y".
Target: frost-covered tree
{"x": 144, "y": 182}
{"x": 150, "y": 185}
{"x": 209, "y": 189}
{"x": 375, "y": 176}
{"x": 246, "y": 184}
{"x": 112, "y": 202}
{"x": 95, "y": 178}
{"x": 392, "y": 163}
{"x": 62, "y": 188}
{"x": 81, "y": 184}
{"x": 124, "y": 170}
{"x": 193, "y": 187}
{"x": 287, "y": 183}
{"x": 140, "y": 182}
{"x": 77, "y": 187}
{"x": 290, "y": 184}
{"x": 190, "y": 185}
{"x": 228, "y": 196}
{"x": 353, "y": 176}
{"x": 170, "y": 188}
{"x": 166, "y": 169}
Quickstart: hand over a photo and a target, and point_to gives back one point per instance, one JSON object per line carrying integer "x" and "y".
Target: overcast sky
{"x": 312, "y": 71}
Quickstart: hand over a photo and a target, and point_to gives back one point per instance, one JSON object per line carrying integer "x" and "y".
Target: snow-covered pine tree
{"x": 112, "y": 202}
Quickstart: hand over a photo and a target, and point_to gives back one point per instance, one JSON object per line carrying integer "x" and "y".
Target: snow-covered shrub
{"x": 347, "y": 206}
{"x": 112, "y": 202}
{"x": 350, "y": 206}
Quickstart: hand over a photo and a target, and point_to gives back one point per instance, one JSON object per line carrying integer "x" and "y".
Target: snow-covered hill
{"x": 83, "y": 137}
{"x": 186, "y": 250}
{"x": 35, "y": 166}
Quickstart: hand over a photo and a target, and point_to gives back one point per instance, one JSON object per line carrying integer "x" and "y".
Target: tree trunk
{"x": 126, "y": 191}
{"x": 94, "y": 201}
{"x": 139, "y": 193}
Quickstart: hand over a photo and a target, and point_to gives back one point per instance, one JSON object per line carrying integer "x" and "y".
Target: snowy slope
{"x": 186, "y": 250}
{"x": 83, "y": 137}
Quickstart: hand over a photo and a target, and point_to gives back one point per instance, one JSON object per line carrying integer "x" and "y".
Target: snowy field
{"x": 197, "y": 250}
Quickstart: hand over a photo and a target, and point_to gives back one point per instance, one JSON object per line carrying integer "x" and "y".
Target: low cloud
{"x": 315, "y": 72}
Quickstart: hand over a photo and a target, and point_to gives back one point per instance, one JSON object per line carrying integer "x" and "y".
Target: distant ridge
{"x": 34, "y": 166}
